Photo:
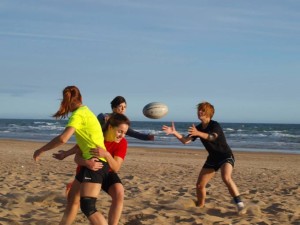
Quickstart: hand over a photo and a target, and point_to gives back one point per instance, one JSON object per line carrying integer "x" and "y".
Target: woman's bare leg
{"x": 72, "y": 204}
{"x": 92, "y": 190}
{"x": 204, "y": 177}
{"x": 226, "y": 171}
{"x": 116, "y": 192}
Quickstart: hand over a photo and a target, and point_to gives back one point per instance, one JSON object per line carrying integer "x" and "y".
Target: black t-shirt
{"x": 217, "y": 147}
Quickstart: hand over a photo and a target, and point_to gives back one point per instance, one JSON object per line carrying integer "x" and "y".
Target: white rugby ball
{"x": 155, "y": 110}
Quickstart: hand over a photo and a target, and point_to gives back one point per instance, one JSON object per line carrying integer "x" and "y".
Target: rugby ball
{"x": 155, "y": 110}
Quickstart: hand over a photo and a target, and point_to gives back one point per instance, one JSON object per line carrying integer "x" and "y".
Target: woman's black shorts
{"x": 111, "y": 179}
{"x": 91, "y": 176}
{"x": 213, "y": 162}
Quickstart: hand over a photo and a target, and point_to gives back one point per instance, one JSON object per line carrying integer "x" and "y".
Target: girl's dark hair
{"x": 116, "y": 119}
{"x": 71, "y": 97}
{"x": 117, "y": 101}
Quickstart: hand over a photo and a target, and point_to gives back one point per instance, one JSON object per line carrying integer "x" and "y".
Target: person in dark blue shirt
{"x": 119, "y": 105}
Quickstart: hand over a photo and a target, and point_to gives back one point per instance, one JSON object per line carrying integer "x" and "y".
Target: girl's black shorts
{"x": 216, "y": 162}
{"x": 111, "y": 179}
{"x": 87, "y": 175}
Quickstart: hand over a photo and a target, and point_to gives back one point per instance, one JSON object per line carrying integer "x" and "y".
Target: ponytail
{"x": 71, "y": 97}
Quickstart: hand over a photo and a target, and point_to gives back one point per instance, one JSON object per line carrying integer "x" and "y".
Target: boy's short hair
{"x": 207, "y": 108}
{"x": 117, "y": 101}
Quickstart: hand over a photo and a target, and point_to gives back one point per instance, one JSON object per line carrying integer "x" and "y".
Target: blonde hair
{"x": 71, "y": 97}
{"x": 207, "y": 108}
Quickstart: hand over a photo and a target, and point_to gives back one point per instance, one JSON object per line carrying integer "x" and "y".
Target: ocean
{"x": 251, "y": 137}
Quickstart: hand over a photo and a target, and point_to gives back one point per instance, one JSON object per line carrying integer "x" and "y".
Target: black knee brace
{"x": 88, "y": 205}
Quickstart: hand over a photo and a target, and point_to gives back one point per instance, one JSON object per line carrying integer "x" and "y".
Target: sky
{"x": 241, "y": 56}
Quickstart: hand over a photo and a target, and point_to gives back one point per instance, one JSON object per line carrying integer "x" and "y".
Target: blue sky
{"x": 242, "y": 56}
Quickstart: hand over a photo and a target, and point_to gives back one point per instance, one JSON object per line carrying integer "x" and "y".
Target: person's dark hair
{"x": 117, "y": 101}
{"x": 71, "y": 96}
{"x": 116, "y": 119}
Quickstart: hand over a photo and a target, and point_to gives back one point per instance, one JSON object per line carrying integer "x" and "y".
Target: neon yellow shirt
{"x": 88, "y": 131}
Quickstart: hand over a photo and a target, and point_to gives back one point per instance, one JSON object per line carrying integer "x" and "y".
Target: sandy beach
{"x": 159, "y": 188}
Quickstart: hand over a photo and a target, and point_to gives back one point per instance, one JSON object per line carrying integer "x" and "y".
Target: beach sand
{"x": 159, "y": 188}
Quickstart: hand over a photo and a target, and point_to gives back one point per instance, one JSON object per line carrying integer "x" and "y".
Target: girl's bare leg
{"x": 116, "y": 192}
{"x": 92, "y": 190}
{"x": 204, "y": 177}
{"x": 226, "y": 171}
{"x": 72, "y": 204}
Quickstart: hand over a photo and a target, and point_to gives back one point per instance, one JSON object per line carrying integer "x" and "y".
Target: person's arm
{"x": 55, "y": 142}
{"x": 207, "y": 136}
{"x": 103, "y": 118}
{"x": 135, "y": 134}
{"x": 92, "y": 164}
{"x": 171, "y": 130}
{"x": 61, "y": 154}
{"x": 114, "y": 162}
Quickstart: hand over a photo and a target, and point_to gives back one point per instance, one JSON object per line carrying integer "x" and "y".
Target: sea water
{"x": 257, "y": 137}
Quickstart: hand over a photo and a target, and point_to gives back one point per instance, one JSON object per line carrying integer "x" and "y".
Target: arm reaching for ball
{"x": 172, "y": 130}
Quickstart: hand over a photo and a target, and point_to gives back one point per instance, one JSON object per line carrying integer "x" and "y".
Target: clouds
{"x": 232, "y": 53}
{"x": 17, "y": 91}
{"x": 41, "y": 36}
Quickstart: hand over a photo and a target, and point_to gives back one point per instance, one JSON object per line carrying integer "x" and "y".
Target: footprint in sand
{"x": 184, "y": 203}
{"x": 252, "y": 210}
